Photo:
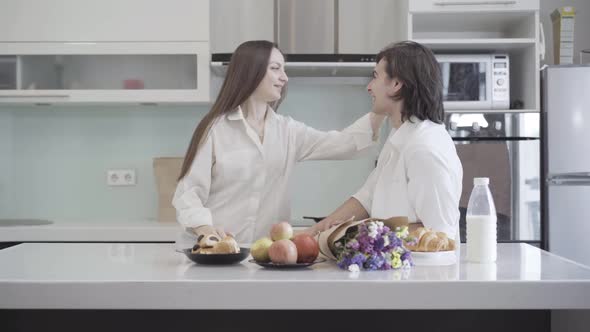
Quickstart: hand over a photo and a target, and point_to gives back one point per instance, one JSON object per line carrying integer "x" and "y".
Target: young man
{"x": 418, "y": 174}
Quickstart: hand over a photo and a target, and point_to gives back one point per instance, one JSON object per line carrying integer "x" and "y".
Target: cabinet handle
{"x": 473, "y": 3}
{"x": 35, "y": 96}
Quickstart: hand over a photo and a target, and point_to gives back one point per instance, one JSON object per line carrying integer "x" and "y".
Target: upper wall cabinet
{"x": 108, "y": 51}
{"x": 57, "y": 73}
{"x": 472, "y": 5}
{"x": 309, "y": 26}
{"x": 236, "y": 21}
{"x": 104, "y": 20}
{"x": 365, "y": 27}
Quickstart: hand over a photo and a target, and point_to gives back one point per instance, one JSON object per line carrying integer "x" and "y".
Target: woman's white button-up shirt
{"x": 241, "y": 184}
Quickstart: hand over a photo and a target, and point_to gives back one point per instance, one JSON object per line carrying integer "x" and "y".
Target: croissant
{"x": 209, "y": 241}
{"x": 430, "y": 241}
{"x": 226, "y": 246}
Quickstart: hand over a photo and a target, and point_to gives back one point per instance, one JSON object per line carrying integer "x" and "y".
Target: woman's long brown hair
{"x": 246, "y": 70}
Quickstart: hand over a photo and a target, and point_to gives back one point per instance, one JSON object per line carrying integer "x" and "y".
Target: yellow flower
{"x": 402, "y": 232}
{"x": 396, "y": 260}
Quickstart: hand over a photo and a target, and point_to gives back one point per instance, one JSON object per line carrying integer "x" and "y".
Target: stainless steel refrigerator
{"x": 566, "y": 160}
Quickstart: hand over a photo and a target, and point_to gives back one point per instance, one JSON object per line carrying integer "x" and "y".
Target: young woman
{"x": 237, "y": 168}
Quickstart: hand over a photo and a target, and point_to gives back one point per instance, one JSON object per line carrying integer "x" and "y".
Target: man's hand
{"x": 350, "y": 210}
{"x": 324, "y": 225}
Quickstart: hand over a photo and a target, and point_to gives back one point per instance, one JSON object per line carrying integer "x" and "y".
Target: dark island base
{"x": 269, "y": 320}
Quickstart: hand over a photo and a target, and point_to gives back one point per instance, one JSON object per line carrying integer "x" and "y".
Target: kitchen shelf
{"x": 493, "y": 139}
{"x": 473, "y": 25}
{"x": 483, "y": 111}
{"x": 477, "y": 44}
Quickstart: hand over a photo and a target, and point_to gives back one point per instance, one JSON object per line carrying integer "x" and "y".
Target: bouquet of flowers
{"x": 373, "y": 246}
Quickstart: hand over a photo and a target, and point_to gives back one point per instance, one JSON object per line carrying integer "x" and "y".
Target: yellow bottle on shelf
{"x": 563, "y": 34}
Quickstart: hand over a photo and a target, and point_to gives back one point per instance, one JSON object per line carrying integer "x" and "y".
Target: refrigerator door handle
{"x": 569, "y": 176}
{"x": 569, "y": 179}
{"x": 568, "y": 182}
{"x": 561, "y": 182}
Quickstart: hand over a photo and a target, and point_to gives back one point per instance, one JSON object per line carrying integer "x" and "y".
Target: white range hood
{"x": 323, "y": 65}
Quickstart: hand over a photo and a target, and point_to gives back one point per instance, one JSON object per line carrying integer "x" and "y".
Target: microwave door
{"x": 466, "y": 81}
{"x": 489, "y": 84}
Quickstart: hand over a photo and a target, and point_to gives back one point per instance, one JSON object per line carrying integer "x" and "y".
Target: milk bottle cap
{"x": 481, "y": 181}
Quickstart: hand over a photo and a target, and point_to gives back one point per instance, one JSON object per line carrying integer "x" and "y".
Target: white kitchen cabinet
{"x": 481, "y": 26}
{"x": 472, "y": 5}
{"x": 236, "y": 21}
{"x": 104, "y": 20}
{"x": 107, "y": 72}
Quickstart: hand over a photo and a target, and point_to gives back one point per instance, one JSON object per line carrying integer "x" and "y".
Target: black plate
{"x": 272, "y": 265}
{"x": 217, "y": 259}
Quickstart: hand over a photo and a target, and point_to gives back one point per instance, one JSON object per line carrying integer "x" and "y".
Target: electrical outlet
{"x": 121, "y": 177}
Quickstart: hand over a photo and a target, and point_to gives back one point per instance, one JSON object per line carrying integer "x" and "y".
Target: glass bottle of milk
{"x": 481, "y": 223}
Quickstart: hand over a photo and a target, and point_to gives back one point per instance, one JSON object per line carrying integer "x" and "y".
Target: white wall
{"x": 582, "y": 26}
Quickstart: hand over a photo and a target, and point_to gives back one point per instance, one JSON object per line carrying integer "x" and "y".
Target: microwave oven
{"x": 475, "y": 81}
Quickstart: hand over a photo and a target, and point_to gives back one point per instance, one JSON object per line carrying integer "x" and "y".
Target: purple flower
{"x": 358, "y": 259}
{"x": 379, "y": 243}
{"x": 374, "y": 262}
{"x": 352, "y": 244}
{"x": 371, "y": 247}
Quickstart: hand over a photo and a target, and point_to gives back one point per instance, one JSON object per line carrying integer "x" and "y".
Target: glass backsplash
{"x": 54, "y": 159}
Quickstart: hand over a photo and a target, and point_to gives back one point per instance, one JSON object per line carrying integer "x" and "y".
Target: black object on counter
{"x": 217, "y": 259}
{"x": 316, "y": 219}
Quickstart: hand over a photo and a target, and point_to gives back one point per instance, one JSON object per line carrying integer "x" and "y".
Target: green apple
{"x": 259, "y": 249}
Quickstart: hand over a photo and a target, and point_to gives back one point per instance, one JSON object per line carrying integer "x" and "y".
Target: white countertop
{"x": 99, "y": 231}
{"x": 154, "y": 276}
{"x": 92, "y": 231}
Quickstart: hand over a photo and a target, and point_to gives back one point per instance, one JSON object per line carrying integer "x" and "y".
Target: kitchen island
{"x": 141, "y": 276}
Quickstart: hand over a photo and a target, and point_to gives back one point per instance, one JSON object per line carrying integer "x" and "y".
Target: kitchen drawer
{"x": 472, "y": 5}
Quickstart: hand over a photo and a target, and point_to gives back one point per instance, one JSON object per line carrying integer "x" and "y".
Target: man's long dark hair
{"x": 416, "y": 67}
{"x": 246, "y": 70}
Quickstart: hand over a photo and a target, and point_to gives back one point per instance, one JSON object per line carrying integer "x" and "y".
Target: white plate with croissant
{"x": 439, "y": 258}
{"x": 431, "y": 248}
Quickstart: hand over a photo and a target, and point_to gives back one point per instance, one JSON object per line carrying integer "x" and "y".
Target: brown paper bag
{"x": 166, "y": 172}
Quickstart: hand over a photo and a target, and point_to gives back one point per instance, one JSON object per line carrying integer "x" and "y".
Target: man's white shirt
{"x": 418, "y": 175}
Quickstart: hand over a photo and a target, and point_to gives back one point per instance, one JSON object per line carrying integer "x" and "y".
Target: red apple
{"x": 308, "y": 248}
{"x": 283, "y": 252}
